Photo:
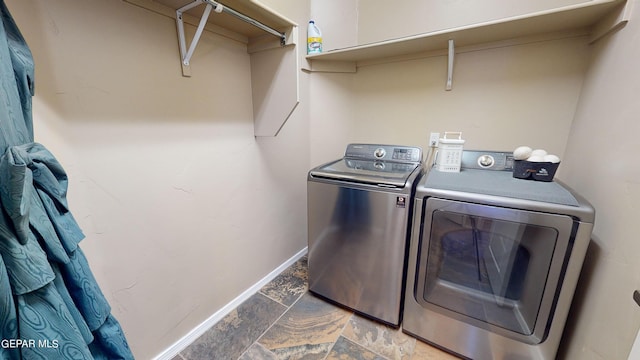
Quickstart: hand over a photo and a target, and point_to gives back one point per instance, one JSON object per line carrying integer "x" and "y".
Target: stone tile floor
{"x": 284, "y": 321}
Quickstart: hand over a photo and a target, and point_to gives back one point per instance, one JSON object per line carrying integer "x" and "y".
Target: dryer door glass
{"x": 491, "y": 266}
{"x": 488, "y": 269}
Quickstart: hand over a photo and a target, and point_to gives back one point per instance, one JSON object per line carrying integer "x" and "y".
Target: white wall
{"x": 330, "y": 116}
{"x": 338, "y": 21}
{"x": 502, "y": 97}
{"x": 331, "y": 95}
{"x": 346, "y": 23}
{"x": 601, "y": 163}
{"x": 182, "y": 207}
{"x": 382, "y": 20}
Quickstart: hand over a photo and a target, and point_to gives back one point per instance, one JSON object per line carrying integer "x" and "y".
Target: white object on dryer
{"x": 450, "y": 152}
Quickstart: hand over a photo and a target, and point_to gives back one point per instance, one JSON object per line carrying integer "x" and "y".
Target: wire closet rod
{"x": 246, "y": 19}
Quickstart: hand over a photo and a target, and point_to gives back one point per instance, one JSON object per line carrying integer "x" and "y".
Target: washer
{"x": 358, "y": 213}
{"x": 493, "y": 260}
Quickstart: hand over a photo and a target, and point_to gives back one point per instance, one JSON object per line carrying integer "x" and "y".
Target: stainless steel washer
{"x": 493, "y": 260}
{"x": 359, "y": 208}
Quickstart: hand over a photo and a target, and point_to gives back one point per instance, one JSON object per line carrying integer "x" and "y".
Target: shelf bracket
{"x": 186, "y": 54}
{"x": 450, "y": 66}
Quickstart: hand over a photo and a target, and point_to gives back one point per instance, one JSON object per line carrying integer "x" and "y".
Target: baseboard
{"x": 194, "y": 334}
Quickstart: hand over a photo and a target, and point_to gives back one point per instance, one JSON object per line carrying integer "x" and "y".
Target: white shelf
{"x": 580, "y": 16}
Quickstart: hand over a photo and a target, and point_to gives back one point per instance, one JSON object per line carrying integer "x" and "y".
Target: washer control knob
{"x": 486, "y": 161}
{"x": 379, "y": 153}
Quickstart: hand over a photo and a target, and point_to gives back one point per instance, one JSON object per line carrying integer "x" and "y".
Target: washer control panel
{"x": 487, "y": 160}
{"x": 384, "y": 152}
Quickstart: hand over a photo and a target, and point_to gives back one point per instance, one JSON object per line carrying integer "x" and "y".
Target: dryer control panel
{"x": 487, "y": 160}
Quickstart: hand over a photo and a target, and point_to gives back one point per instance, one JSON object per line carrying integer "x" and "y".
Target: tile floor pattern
{"x": 284, "y": 321}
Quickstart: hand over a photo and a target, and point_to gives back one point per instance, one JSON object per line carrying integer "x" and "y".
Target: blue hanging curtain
{"x": 50, "y": 304}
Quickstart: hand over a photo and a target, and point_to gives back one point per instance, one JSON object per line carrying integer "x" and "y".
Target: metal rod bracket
{"x": 450, "y": 65}
{"x": 186, "y": 54}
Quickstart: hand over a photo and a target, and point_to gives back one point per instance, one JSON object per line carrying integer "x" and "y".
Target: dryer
{"x": 493, "y": 260}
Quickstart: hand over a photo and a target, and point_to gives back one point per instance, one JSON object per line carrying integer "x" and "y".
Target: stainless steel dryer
{"x": 493, "y": 260}
{"x": 358, "y": 213}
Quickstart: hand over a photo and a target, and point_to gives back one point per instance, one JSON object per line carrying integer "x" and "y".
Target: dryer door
{"x": 492, "y": 267}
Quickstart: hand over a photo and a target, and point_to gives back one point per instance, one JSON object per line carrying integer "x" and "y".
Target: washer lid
{"x": 385, "y": 173}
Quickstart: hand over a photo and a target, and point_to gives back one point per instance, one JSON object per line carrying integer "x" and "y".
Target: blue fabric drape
{"x": 50, "y": 304}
